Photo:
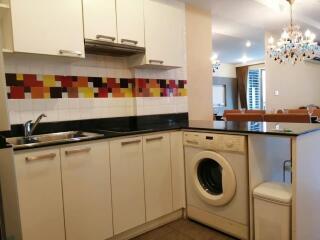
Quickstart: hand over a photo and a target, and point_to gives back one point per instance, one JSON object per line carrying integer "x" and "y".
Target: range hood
{"x": 112, "y": 49}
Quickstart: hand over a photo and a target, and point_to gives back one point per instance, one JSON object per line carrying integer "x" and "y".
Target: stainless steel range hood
{"x": 112, "y": 49}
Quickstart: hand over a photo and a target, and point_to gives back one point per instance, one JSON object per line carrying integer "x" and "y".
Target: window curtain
{"x": 242, "y": 79}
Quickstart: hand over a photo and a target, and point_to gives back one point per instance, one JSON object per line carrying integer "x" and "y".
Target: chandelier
{"x": 293, "y": 46}
{"x": 215, "y": 63}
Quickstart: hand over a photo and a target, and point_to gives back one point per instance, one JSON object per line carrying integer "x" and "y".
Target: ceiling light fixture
{"x": 244, "y": 59}
{"x": 293, "y": 46}
{"x": 248, "y": 44}
{"x": 215, "y": 62}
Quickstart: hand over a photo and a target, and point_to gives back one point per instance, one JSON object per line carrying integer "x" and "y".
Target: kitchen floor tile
{"x": 184, "y": 230}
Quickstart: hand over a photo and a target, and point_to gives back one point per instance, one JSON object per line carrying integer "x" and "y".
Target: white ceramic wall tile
{"x": 84, "y": 108}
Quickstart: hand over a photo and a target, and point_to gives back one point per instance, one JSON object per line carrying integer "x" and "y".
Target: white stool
{"x": 272, "y": 211}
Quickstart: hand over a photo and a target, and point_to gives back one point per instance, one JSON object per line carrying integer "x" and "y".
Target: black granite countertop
{"x": 267, "y": 128}
{"x": 121, "y": 127}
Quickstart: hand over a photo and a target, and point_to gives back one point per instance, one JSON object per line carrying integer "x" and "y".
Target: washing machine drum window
{"x": 213, "y": 178}
{"x": 210, "y": 176}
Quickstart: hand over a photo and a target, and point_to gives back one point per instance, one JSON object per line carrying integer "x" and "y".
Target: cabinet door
{"x": 100, "y": 21}
{"x": 87, "y": 191}
{"x": 164, "y": 32}
{"x": 178, "y": 173}
{"x": 130, "y": 22}
{"x": 127, "y": 184}
{"x": 40, "y": 195}
{"x": 157, "y": 175}
{"x": 48, "y": 27}
{"x": 4, "y": 120}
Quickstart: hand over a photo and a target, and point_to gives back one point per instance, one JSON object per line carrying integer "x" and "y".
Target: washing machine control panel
{"x": 218, "y": 142}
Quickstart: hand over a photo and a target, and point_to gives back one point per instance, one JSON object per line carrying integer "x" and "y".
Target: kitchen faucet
{"x": 29, "y": 128}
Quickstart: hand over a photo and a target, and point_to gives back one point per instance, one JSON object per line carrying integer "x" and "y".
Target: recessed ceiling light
{"x": 244, "y": 59}
{"x": 248, "y": 44}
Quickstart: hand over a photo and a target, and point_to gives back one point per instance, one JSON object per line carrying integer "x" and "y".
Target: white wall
{"x": 298, "y": 84}
{"x": 199, "y": 70}
{"x": 226, "y": 70}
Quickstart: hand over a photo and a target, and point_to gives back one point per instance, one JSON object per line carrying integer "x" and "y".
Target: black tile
{"x": 11, "y": 80}
{"x": 27, "y": 89}
{"x": 163, "y": 83}
{"x": 124, "y": 83}
{"x": 56, "y": 92}
{"x": 181, "y": 84}
{"x": 97, "y": 81}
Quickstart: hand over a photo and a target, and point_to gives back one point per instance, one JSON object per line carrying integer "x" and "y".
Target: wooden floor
{"x": 183, "y": 230}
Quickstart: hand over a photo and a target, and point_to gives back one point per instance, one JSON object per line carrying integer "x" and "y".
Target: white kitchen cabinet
{"x": 157, "y": 175}
{"x": 164, "y": 34}
{"x": 87, "y": 191}
{"x": 48, "y": 27}
{"x": 130, "y": 22}
{"x": 39, "y": 188}
{"x": 4, "y": 120}
{"x": 100, "y": 21}
{"x": 127, "y": 183}
{"x": 178, "y": 170}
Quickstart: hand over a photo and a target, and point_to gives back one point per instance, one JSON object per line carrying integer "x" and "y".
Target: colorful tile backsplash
{"x": 33, "y": 86}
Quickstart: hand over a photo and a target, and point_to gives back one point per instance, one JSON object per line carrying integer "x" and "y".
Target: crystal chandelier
{"x": 215, "y": 63}
{"x": 293, "y": 46}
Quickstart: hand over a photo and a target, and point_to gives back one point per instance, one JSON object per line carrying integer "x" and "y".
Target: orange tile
{"x": 37, "y": 93}
{"x": 82, "y": 82}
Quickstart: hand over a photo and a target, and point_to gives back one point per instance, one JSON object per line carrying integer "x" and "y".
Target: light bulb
{"x": 248, "y": 44}
{"x": 307, "y": 33}
{"x": 271, "y": 40}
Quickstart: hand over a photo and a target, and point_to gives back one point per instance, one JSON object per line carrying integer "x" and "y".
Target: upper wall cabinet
{"x": 100, "y": 22}
{"x": 130, "y": 22}
{"x": 164, "y": 35}
{"x": 47, "y": 27}
{"x": 118, "y": 21}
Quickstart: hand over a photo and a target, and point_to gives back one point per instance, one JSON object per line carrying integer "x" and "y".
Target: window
{"x": 219, "y": 95}
{"x": 256, "y": 89}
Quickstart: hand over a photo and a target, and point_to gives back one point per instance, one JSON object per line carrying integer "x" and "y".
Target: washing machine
{"x": 217, "y": 181}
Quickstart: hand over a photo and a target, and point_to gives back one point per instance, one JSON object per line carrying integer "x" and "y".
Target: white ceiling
{"x": 236, "y": 21}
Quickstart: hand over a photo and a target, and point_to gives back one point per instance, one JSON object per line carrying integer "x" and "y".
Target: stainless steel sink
{"x": 60, "y": 137}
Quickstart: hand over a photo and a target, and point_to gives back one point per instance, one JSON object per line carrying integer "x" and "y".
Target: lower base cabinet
{"x": 127, "y": 182}
{"x": 95, "y": 190}
{"x": 87, "y": 191}
{"x": 38, "y": 180}
{"x": 157, "y": 175}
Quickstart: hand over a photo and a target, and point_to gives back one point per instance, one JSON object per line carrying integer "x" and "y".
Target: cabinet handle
{"x": 129, "y": 41}
{"x": 82, "y": 150}
{"x": 41, "y": 157}
{"x": 100, "y": 36}
{"x": 130, "y": 142}
{"x": 70, "y": 52}
{"x": 154, "y": 139}
{"x": 156, "y": 61}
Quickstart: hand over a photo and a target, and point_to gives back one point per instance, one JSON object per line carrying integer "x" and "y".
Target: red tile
{"x": 30, "y": 80}
{"x": 66, "y": 81}
{"x": 103, "y": 93}
{"x": 17, "y": 92}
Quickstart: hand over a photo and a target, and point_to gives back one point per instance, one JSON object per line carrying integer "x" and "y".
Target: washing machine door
{"x": 213, "y": 178}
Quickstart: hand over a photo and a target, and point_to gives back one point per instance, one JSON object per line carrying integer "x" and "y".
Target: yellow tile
{"x": 86, "y": 92}
{"x": 182, "y": 92}
{"x": 20, "y": 77}
{"x": 155, "y": 92}
{"x": 127, "y": 92}
{"x": 49, "y": 81}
